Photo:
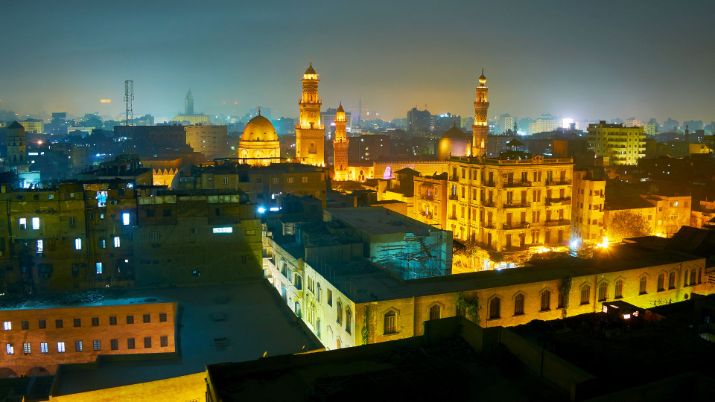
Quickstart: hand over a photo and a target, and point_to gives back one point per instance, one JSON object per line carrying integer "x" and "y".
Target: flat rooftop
{"x": 236, "y": 322}
{"x": 86, "y": 299}
{"x": 379, "y": 221}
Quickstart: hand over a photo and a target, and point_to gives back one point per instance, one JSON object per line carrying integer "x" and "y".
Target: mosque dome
{"x": 259, "y": 129}
{"x": 454, "y": 142}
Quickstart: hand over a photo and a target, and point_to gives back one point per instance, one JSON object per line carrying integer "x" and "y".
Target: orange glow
{"x": 105, "y": 101}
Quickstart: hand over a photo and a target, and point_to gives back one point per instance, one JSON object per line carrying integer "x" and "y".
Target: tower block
{"x": 340, "y": 146}
{"x": 310, "y": 132}
{"x": 480, "y": 128}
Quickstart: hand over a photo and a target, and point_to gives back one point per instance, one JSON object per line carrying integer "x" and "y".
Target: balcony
{"x": 488, "y": 203}
{"x": 516, "y": 205}
{"x": 557, "y": 182}
{"x": 518, "y": 184}
{"x": 558, "y": 201}
{"x": 453, "y": 197}
{"x": 519, "y": 225}
{"x": 427, "y": 197}
{"x": 557, "y": 222}
{"x": 489, "y": 184}
{"x": 453, "y": 178}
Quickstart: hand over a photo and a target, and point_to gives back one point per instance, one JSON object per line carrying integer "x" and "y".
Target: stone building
{"x": 259, "y": 145}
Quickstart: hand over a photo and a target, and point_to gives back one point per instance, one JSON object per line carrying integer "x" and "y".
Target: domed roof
{"x": 259, "y": 129}
{"x": 455, "y": 132}
{"x": 310, "y": 69}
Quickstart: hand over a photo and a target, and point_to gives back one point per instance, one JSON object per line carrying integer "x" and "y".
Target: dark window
{"x": 131, "y": 344}
{"x": 494, "y": 308}
{"x": 146, "y": 318}
{"x": 113, "y": 320}
{"x": 150, "y": 212}
{"x": 130, "y": 319}
{"x": 585, "y": 294}
{"x": 643, "y": 283}
{"x": 95, "y": 321}
{"x": 77, "y": 322}
{"x": 519, "y": 304}
{"x": 434, "y": 312}
{"x": 619, "y": 289}
{"x": 661, "y": 282}
{"x": 546, "y": 300}
{"x": 166, "y": 213}
{"x": 671, "y": 280}
{"x": 602, "y": 291}
{"x": 390, "y": 323}
{"x": 114, "y": 343}
{"x": 42, "y": 324}
{"x": 59, "y": 324}
{"x": 162, "y": 317}
{"x": 147, "y": 341}
{"x": 164, "y": 341}
{"x": 25, "y": 324}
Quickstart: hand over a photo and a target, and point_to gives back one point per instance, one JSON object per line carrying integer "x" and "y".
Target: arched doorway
{"x": 7, "y": 373}
{"x": 37, "y": 372}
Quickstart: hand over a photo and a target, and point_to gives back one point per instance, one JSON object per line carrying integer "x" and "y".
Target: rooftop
{"x": 378, "y": 221}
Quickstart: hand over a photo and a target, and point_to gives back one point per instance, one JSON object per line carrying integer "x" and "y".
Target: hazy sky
{"x": 579, "y": 58}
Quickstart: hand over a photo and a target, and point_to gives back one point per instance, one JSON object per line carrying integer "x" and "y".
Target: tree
{"x": 625, "y": 224}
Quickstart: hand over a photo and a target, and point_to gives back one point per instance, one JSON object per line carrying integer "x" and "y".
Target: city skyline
{"x": 601, "y": 74}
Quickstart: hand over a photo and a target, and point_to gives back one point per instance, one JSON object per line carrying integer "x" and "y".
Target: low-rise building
{"x": 671, "y": 212}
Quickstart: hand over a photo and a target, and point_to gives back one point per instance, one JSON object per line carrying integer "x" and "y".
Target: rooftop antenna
{"x": 128, "y": 102}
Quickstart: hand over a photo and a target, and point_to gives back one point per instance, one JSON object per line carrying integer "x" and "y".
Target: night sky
{"x": 584, "y": 59}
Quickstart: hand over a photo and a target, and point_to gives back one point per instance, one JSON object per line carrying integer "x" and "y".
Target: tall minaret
{"x": 189, "y": 104}
{"x": 340, "y": 146}
{"x": 480, "y": 128}
{"x": 310, "y": 133}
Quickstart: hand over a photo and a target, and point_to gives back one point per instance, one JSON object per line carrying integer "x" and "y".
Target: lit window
{"x": 40, "y": 246}
{"x": 96, "y": 345}
{"x": 60, "y": 347}
{"x": 44, "y": 348}
{"x": 98, "y": 267}
{"x": 125, "y": 218}
{"x": 9, "y": 349}
{"x": 78, "y": 244}
{"x": 101, "y": 199}
{"x": 35, "y": 223}
{"x": 223, "y": 229}
{"x": 389, "y": 323}
{"x": 117, "y": 242}
{"x": 23, "y": 223}
{"x": 7, "y": 325}
{"x": 102, "y": 243}
{"x": 78, "y": 346}
{"x": 26, "y": 348}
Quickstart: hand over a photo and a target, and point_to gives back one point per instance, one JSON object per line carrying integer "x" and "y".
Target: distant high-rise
{"x": 480, "y": 127}
{"x": 419, "y": 121}
{"x": 621, "y": 145}
{"x": 310, "y": 133}
{"x": 505, "y": 123}
{"x": 651, "y": 128}
{"x": 544, "y": 123}
{"x": 340, "y": 145}
{"x": 189, "y": 104}
{"x": 16, "y": 145}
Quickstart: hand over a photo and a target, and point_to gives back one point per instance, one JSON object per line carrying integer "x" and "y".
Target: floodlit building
{"x": 671, "y": 212}
{"x": 259, "y": 145}
{"x": 340, "y": 146}
{"x": 620, "y": 144}
{"x": 454, "y": 142}
{"x": 210, "y": 140}
{"x": 35, "y": 126}
{"x": 310, "y": 132}
{"x": 587, "y": 208}
{"x": 16, "y": 146}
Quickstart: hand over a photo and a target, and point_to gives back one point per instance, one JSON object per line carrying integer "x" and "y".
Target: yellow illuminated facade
{"x": 622, "y": 146}
{"x": 587, "y": 209}
{"x": 310, "y": 133}
{"x": 259, "y": 145}
{"x": 480, "y": 128}
{"x": 34, "y": 126}
{"x": 340, "y": 146}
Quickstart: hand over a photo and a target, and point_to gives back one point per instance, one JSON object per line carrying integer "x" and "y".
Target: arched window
{"x": 298, "y": 282}
{"x": 494, "y": 308}
{"x": 700, "y": 275}
{"x": 642, "y": 289}
{"x": 619, "y": 289}
{"x": 339, "y": 313}
{"x": 693, "y": 279}
{"x": 661, "y": 282}
{"x": 348, "y": 320}
{"x": 671, "y": 280}
{"x": 685, "y": 278}
{"x": 390, "y": 323}
{"x": 546, "y": 300}
{"x": 585, "y": 294}
{"x": 519, "y": 304}
{"x": 435, "y": 312}
{"x": 602, "y": 291}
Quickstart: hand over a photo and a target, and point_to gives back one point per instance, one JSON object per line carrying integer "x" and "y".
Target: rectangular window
{"x": 131, "y": 344}
{"x": 113, "y": 320}
{"x": 162, "y": 317}
{"x": 114, "y": 344}
{"x": 130, "y": 319}
{"x": 146, "y": 318}
{"x": 78, "y": 346}
{"x": 59, "y": 324}
{"x": 223, "y": 229}
{"x": 35, "y": 223}
{"x": 102, "y": 243}
{"x": 96, "y": 345}
{"x": 77, "y": 322}
{"x": 25, "y": 324}
{"x": 60, "y": 347}
{"x": 42, "y": 324}
{"x": 126, "y": 218}
{"x": 9, "y": 349}
{"x": 7, "y": 325}
{"x": 98, "y": 268}
{"x": 147, "y": 341}
{"x": 330, "y": 297}
{"x": 95, "y": 321}
{"x": 26, "y": 348}
{"x": 40, "y": 247}
{"x": 44, "y": 348}
{"x": 78, "y": 244}
{"x": 164, "y": 341}
{"x": 117, "y": 242}
{"x": 22, "y": 223}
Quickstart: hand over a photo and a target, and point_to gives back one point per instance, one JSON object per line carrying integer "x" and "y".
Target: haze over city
{"x": 586, "y": 60}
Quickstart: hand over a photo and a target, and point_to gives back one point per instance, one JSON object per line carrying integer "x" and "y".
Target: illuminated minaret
{"x": 480, "y": 128}
{"x": 340, "y": 146}
{"x": 310, "y": 133}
